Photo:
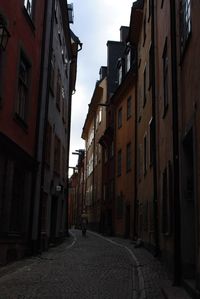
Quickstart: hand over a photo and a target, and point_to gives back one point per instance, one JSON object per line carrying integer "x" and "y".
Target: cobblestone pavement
{"x": 88, "y": 267}
{"x": 154, "y": 282}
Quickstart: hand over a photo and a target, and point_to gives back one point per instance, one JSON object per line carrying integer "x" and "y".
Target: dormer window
{"x": 128, "y": 60}
{"x": 120, "y": 72}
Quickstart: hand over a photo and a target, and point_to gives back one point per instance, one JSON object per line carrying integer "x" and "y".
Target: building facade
{"x": 20, "y": 64}
{"x": 54, "y": 128}
{"x": 157, "y": 200}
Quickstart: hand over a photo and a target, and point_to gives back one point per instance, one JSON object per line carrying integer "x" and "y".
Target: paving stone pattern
{"x": 91, "y": 268}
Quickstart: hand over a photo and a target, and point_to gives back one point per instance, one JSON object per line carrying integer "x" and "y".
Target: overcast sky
{"x": 95, "y": 22}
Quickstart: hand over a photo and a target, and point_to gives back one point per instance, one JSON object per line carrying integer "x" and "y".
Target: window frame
{"x": 119, "y": 163}
{"x": 23, "y": 89}
{"x": 129, "y": 106}
{"x": 128, "y": 157}
{"x": 144, "y": 86}
{"x": 165, "y": 63}
{"x": 119, "y": 118}
{"x": 58, "y": 90}
{"x": 151, "y": 142}
{"x": 145, "y": 154}
{"x": 185, "y": 23}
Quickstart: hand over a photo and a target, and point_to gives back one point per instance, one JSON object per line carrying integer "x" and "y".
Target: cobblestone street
{"x": 82, "y": 267}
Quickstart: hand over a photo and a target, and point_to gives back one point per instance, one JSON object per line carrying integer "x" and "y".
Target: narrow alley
{"x": 88, "y": 267}
{"x": 85, "y": 267}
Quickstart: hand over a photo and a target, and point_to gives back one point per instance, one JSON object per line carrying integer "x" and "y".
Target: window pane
{"x": 28, "y": 6}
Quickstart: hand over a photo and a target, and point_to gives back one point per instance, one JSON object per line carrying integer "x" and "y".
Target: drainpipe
{"x": 44, "y": 129}
{"x": 36, "y": 177}
{"x": 155, "y": 187}
{"x": 136, "y": 208}
{"x": 176, "y": 195}
{"x": 93, "y": 174}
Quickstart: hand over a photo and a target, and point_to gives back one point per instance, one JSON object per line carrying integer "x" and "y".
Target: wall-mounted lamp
{"x": 4, "y": 34}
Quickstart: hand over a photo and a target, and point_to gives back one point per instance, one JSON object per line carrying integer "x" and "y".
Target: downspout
{"x": 175, "y": 123}
{"x": 135, "y": 219}
{"x": 45, "y": 127}
{"x": 67, "y": 164}
{"x": 32, "y": 246}
{"x": 93, "y": 174}
{"x": 155, "y": 187}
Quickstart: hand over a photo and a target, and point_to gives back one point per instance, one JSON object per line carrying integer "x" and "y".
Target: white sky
{"x": 95, "y": 22}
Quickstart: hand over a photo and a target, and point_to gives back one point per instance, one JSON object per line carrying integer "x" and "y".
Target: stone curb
{"x": 142, "y": 292}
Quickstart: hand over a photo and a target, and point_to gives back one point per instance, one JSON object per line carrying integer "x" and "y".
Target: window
{"x": 90, "y": 165}
{"x": 112, "y": 150}
{"x": 119, "y": 118}
{"x": 52, "y": 73}
{"x": 128, "y": 60}
{"x": 185, "y": 22}
{"x": 128, "y": 107}
{"x": 28, "y": 4}
{"x": 48, "y": 144}
{"x": 58, "y": 92}
{"x": 23, "y": 85}
{"x": 139, "y": 104}
{"x": 63, "y": 105}
{"x": 128, "y": 157}
{"x": 151, "y": 142}
{"x": 63, "y": 162}
{"x": 119, "y": 163}
{"x": 57, "y": 155}
{"x": 56, "y": 11}
{"x": 149, "y": 9}
{"x": 100, "y": 115}
{"x": 145, "y": 154}
{"x": 150, "y": 66}
{"x": 144, "y": 30}
{"x": 120, "y": 205}
{"x": 120, "y": 74}
{"x": 165, "y": 78}
{"x": 139, "y": 161}
{"x": 144, "y": 87}
{"x": 97, "y": 121}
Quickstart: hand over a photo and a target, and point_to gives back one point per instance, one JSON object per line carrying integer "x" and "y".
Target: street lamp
{"x": 4, "y": 34}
